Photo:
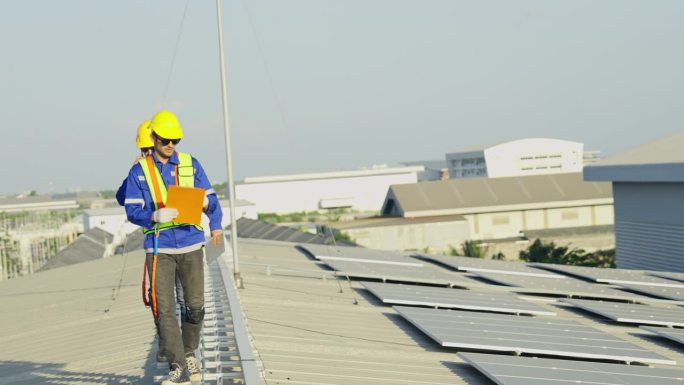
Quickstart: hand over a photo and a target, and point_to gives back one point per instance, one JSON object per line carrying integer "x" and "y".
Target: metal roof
{"x": 659, "y": 161}
{"x": 463, "y": 196}
{"x": 80, "y": 324}
{"x": 88, "y": 246}
{"x": 85, "y": 324}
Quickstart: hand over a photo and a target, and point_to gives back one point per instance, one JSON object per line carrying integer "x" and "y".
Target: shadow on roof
{"x": 27, "y": 373}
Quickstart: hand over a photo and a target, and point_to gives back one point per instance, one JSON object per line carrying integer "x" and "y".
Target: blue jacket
{"x": 121, "y": 193}
{"x": 140, "y": 206}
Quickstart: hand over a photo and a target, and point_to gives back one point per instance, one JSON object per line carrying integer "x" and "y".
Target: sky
{"x": 323, "y": 85}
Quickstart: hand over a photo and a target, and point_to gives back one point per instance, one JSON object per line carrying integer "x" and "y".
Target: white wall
{"x": 365, "y": 193}
{"x": 437, "y": 236}
{"x": 533, "y": 157}
{"x": 111, "y": 221}
{"x": 510, "y": 223}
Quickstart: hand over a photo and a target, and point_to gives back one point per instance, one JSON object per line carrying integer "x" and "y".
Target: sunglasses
{"x": 166, "y": 142}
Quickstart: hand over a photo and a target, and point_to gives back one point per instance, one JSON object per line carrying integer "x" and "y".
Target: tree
{"x": 542, "y": 252}
{"x": 474, "y": 249}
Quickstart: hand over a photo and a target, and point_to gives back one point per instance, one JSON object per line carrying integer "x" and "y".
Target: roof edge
{"x": 652, "y": 172}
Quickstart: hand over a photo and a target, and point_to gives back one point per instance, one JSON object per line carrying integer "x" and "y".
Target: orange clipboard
{"x": 188, "y": 201}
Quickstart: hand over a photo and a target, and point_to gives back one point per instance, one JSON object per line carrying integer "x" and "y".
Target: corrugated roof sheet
{"x": 81, "y": 324}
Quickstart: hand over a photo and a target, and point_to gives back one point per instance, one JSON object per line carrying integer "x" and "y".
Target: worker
{"x": 143, "y": 141}
{"x": 171, "y": 246}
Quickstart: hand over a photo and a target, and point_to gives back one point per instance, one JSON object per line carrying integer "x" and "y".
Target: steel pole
{"x": 229, "y": 161}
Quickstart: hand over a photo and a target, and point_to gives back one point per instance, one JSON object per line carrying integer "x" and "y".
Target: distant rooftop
{"x": 89, "y": 246}
{"x": 461, "y": 196}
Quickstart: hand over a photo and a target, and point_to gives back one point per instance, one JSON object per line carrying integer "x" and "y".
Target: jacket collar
{"x": 172, "y": 160}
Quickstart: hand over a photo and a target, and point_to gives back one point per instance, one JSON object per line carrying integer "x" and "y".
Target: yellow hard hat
{"x": 165, "y": 125}
{"x": 143, "y": 139}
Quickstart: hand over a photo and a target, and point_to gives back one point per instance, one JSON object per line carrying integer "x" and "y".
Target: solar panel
{"x": 397, "y": 273}
{"x": 507, "y": 370}
{"x": 601, "y": 275}
{"x": 359, "y": 254}
{"x": 676, "y": 335}
{"x": 569, "y": 287}
{"x": 489, "y": 265}
{"x": 524, "y": 335}
{"x": 672, "y": 293}
{"x": 633, "y": 313}
{"x": 452, "y": 298}
{"x": 668, "y": 275}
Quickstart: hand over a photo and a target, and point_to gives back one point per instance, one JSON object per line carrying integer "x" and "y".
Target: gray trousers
{"x": 190, "y": 268}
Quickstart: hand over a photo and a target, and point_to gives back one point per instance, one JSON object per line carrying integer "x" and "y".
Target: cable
{"x": 175, "y": 51}
{"x": 276, "y": 96}
{"x": 329, "y": 334}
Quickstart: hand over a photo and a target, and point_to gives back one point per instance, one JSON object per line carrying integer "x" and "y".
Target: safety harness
{"x": 185, "y": 177}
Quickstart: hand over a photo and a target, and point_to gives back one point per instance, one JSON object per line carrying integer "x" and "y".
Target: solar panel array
{"x": 618, "y": 276}
{"x": 397, "y": 273}
{"x": 633, "y": 313}
{"x": 671, "y": 293}
{"x": 524, "y": 335}
{"x": 568, "y": 287}
{"x": 358, "y": 254}
{"x": 453, "y": 298}
{"x": 488, "y": 265}
{"x": 494, "y": 321}
{"x": 507, "y": 370}
{"x": 676, "y": 335}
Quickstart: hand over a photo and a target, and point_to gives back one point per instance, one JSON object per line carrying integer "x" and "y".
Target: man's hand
{"x": 216, "y": 236}
{"x": 164, "y": 215}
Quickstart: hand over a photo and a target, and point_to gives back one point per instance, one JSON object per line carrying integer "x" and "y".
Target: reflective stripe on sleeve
{"x": 134, "y": 201}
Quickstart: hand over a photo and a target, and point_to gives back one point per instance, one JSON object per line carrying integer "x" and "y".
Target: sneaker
{"x": 193, "y": 369}
{"x": 177, "y": 376}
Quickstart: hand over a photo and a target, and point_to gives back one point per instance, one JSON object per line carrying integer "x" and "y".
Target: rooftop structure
{"x": 648, "y": 185}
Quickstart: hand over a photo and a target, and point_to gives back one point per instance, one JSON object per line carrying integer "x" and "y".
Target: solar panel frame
{"x": 359, "y": 254}
{"x": 488, "y": 265}
{"x": 668, "y": 275}
{"x": 670, "y": 316}
{"x": 446, "y": 298}
{"x": 569, "y": 287}
{"x": 509, "y": 370}
{"x": 398, "y": 273}
{"x": 673, "y": 334}
{"x": 615, "y": 276}
{"x": 524, "y": 335}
